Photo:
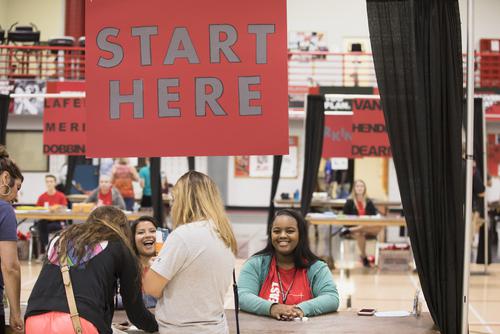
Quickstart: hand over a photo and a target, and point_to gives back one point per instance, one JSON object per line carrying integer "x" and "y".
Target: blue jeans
{"x": 44, "y": 228}
{"x": 129, "y": 203}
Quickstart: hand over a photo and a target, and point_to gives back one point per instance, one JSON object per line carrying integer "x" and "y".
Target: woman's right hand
{"x": 284, "y": 312}
{"x": 16, "y": 322}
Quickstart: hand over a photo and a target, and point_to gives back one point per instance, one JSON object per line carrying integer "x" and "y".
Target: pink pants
{"x": 56, "y": 323}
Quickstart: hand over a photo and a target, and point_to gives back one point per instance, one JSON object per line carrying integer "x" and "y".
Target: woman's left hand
{"x": 299, "y": 312}
{"x": 121, "y": 326}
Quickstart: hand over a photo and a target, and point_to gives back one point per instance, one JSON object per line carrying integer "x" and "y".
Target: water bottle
{"x": 296, "y": 195}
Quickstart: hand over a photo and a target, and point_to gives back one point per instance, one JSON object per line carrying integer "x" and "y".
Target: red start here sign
{"x": 186, "y": 78}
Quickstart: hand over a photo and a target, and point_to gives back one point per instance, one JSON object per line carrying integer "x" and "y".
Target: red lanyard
{"x": 285, "y": 293}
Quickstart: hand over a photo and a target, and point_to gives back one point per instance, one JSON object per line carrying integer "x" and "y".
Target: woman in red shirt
{"x": 106, "y": 194}
{"x": 122, "y": 176}
{"x": 360, "y": 205}
{"x": 53, "y": 200}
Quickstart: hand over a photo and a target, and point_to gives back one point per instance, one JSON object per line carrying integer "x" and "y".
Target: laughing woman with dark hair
{"x": 286, "y": 280}
{"x": 143, "y": 242}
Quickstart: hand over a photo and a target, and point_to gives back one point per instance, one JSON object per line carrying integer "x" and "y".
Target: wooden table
{"x": 79, "y": 198}
{"x": 338, "y": 323}
{"x": 346, "y": 220}
{"x": 330, "y": 203}
{"x": 323, "y": 203}
{"x": 63, "y": 215}
{"x": 342, "y": 322}
{"x": 321, "y": 219}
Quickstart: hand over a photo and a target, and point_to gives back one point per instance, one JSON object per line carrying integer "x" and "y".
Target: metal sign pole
{"x": 485, "y": 200}
{"x": 470, "y": 157}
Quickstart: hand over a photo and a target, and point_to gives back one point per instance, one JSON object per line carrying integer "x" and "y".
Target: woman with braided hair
{"x": 97, "y": 253}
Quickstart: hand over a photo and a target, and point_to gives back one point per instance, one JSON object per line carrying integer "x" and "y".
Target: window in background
{"x": 26, "y": 149}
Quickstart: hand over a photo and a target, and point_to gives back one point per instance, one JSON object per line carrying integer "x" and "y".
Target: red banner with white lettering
{"x": 491, "y": 107}
{"x": 64, "y": 120}
{"x": 369, "y": 134}
{"x": 186, "y": 78}
{"x": 493, "y": 154}
{"x": 354, "y": 128}
{"x": 337, "y": 140}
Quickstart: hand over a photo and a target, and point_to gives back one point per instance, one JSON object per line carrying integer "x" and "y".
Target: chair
{"x": 349, "y": 238}
{"x": 65, "y": 41}
{"x": 25, "y": 35}
{"x": 63, "y": 57}
{"x": 34, "y": 235}
{"x": 81, "y": 59}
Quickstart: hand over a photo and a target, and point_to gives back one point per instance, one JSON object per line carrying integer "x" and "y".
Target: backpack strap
{"x": 70, "y": 296}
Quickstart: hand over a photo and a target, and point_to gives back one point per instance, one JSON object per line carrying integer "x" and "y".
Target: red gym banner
{"x": 186, "y": 78}
{"x": 491, "y": 107}
{"x": 369, "y": 135}
{"x": 337, "y": 139}
{"x": 64, "y": 120}
{"x": 493, "y": 149}
{"x": 354, "y": 128}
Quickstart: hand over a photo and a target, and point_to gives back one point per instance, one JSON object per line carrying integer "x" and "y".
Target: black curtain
{"x": 417, "y": 55}
{"x": 4, "y": 117}
{"x": 315, "y": 125}
{"x": 73, "y": 160}
{"x": 277, "y": 159}
{"x": 479, "y": 158}
{"x": 191, "y": 163}
{"x": 156, "y": 194}
{"x": 478, "y": 134}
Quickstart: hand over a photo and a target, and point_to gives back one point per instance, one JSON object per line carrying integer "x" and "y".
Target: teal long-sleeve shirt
{"x": 254, "y": 272}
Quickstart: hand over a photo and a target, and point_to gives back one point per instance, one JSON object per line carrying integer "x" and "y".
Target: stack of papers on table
{"x": 315, "y": 215}
{"x": 31, "y": 208}
{"x": 388, "y": 314}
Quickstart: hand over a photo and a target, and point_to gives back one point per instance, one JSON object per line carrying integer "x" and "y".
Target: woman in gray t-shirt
{"x": 192, "y": 273}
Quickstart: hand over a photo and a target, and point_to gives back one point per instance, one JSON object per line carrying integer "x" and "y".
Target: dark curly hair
{"x": 9, "y": 166}
{"x": 302, "y": 255}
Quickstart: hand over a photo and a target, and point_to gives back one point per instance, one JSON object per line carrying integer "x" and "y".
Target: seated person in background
{"x": 286, "y": 280}
{"x": 122, "y": 177}
{"x": 53, "y": 200}
{"x": 145, "y": 182}
{"x": 478, "y": 194}
{"x": 359, "y": 204}
{"x": 143, "y": 243}
{"x": 165, "y": 192}
{"x": 106, "y": 194}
